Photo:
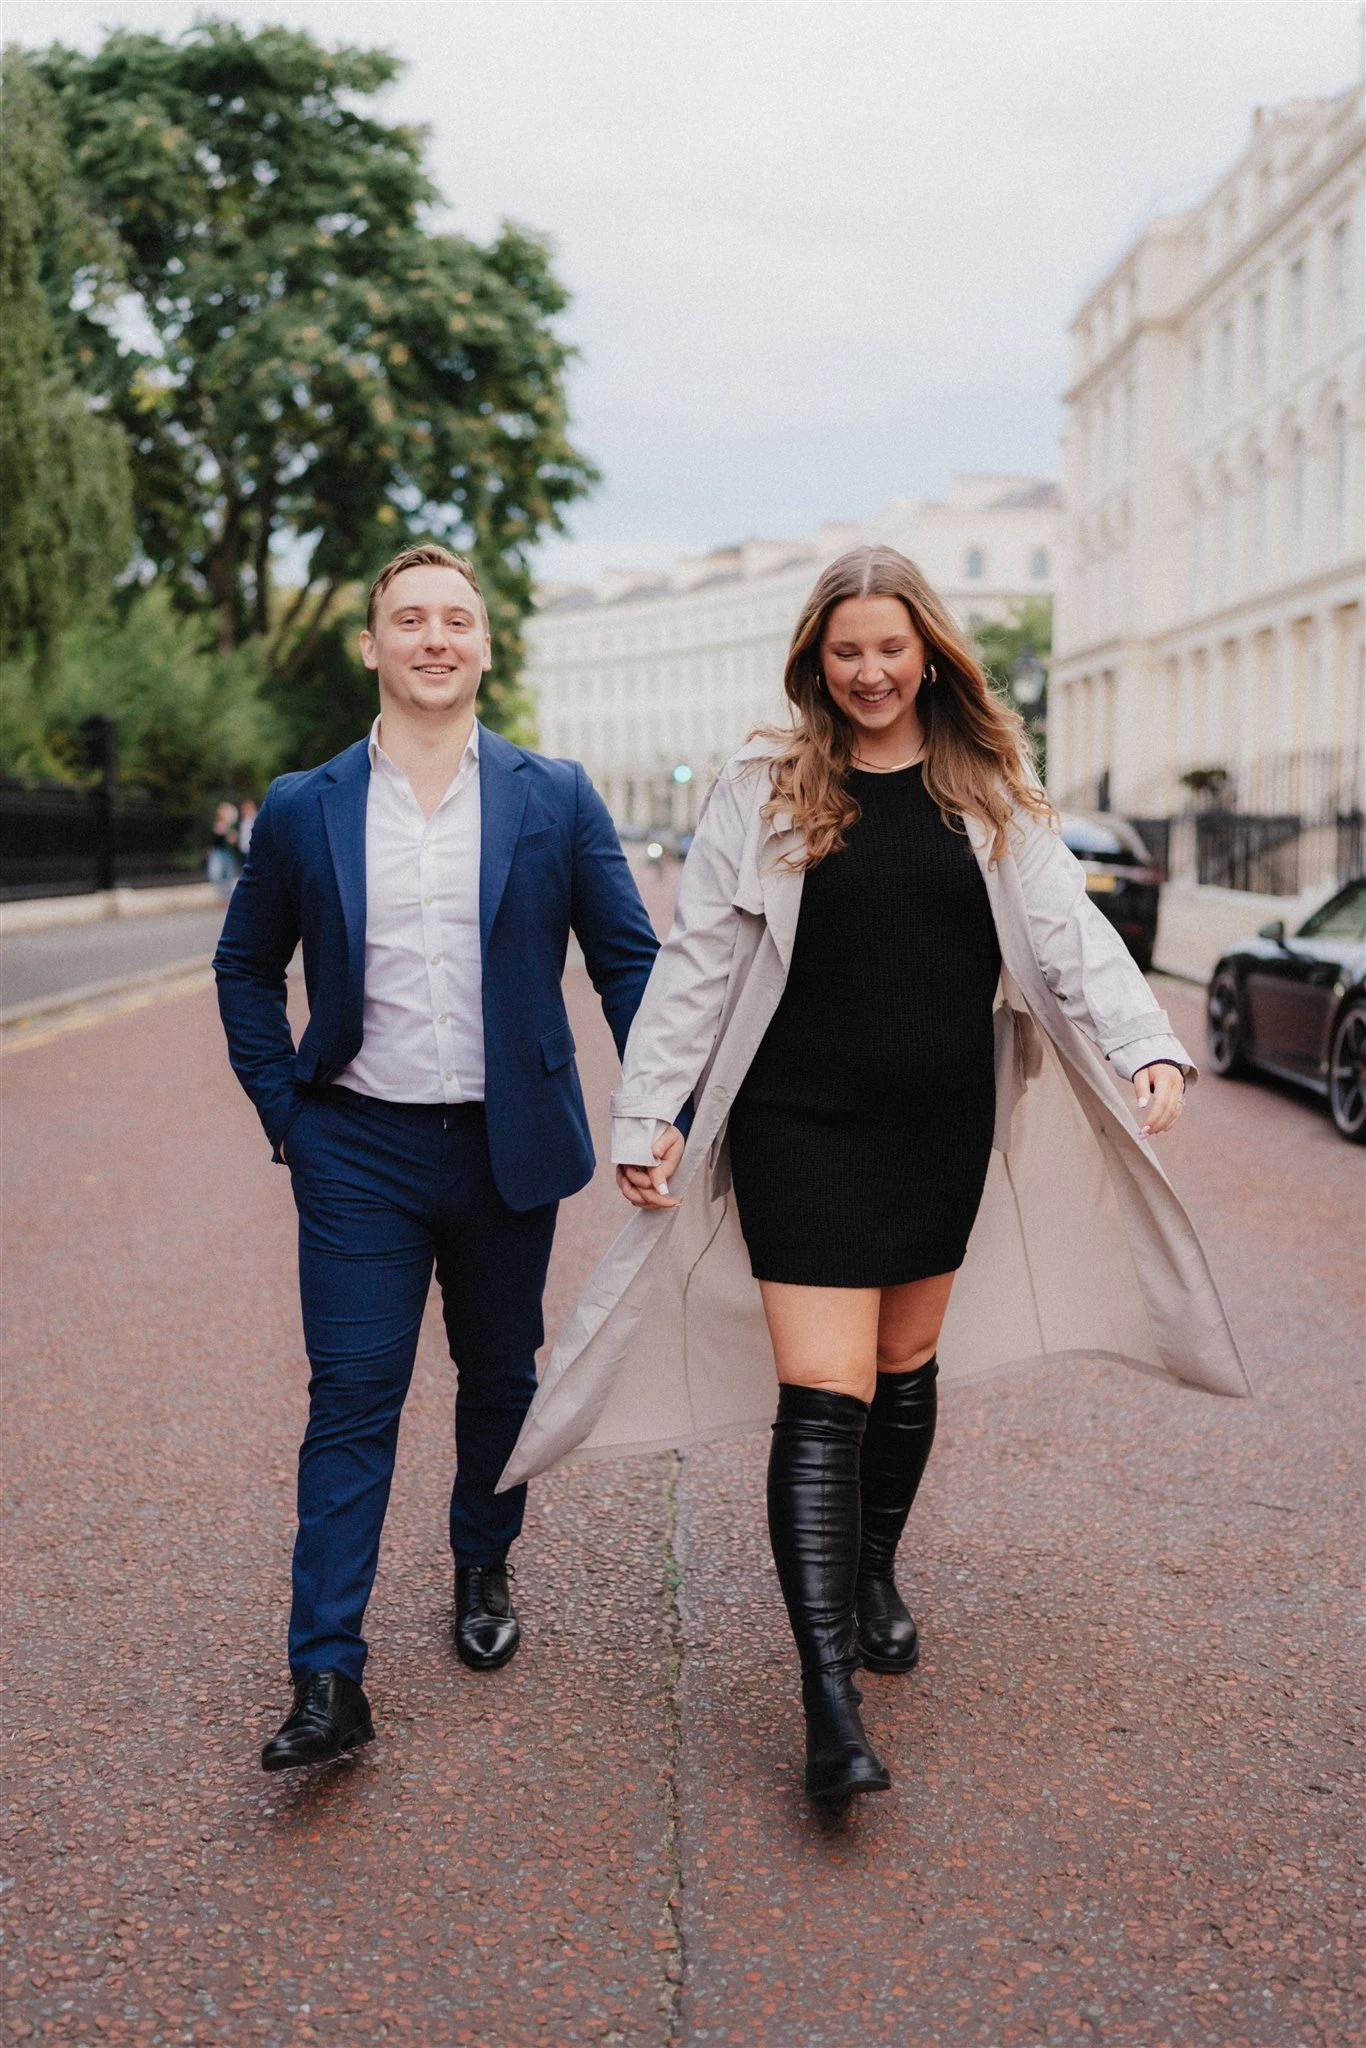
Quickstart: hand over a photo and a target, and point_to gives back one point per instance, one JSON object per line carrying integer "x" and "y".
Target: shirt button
{"x": 429, "y": 899}
{"x": 449, "y": 1076}
{"x": 444, "y": 1018}
{"x": 436, "y": 959}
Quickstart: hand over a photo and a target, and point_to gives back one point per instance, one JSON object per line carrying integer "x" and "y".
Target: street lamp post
{"x": 1028, "y": 680}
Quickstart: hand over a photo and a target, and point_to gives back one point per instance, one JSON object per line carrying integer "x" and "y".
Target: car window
{"x": 1092, "y": 841}
{"x": 1092, "y": 838}
{"x": 1342, "y": 917}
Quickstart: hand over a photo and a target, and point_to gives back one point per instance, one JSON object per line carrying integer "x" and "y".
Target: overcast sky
{"x": 823, "y": 253}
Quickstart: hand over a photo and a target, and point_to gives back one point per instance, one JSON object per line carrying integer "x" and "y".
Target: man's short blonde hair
{"x": 428, "y": 557}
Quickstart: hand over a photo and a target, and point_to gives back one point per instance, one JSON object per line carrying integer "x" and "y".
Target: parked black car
{"x": 1121, "y": 877}
{"x": 1297, "y": 1007}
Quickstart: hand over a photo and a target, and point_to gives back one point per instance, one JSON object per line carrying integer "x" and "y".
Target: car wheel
{"x": 1347, "y": 1074}
{"x": 1224, "y": 1026}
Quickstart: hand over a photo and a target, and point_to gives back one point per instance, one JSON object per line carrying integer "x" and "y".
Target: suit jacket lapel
{"x": 503, "y": 792}
{"x": 343, "y": 801}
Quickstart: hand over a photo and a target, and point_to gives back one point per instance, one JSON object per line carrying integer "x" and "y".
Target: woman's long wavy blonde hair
{"x": 978, "y": 759}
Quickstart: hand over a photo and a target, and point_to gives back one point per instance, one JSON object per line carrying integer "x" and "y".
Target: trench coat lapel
{"x": 779, "y": 885}
{"x": 503, "y": 792}
{"x": 343, "y": 798}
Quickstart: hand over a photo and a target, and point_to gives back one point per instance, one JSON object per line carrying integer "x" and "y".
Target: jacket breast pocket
{"x": 539, "y": 839}
{"x": 557, "y": 1049}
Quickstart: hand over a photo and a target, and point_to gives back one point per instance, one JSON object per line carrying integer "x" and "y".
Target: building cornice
{"x": 1241, "y": 612}
{"x": 1218, "y": 278}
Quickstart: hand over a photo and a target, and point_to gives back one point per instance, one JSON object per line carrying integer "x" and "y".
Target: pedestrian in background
{"x": 883, "y": 965}
{"x": 221, "y": 866}
{"x": 431, "y": 1113}
{"x": 246, "y": 822}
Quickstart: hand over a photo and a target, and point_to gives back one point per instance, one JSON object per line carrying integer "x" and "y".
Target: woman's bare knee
{"x": 906, "y": 1354}
{"x": 909, "y": 1321}
{"x": 824, "y": 1337}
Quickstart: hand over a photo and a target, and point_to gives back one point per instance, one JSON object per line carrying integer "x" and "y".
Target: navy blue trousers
{"x": 385, "y": 1191}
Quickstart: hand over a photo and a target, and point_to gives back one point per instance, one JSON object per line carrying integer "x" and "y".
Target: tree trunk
{"x": 222, "y": 573}
{"x": 282, "y": 631}
{"x": 309, "y": 638}
{"x": 265, "y": 526}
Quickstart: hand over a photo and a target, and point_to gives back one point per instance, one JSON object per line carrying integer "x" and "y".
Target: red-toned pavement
{"x": 1122, "y": 1770}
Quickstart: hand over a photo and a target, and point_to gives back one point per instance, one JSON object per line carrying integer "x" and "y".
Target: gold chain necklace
{"x": 895, "y": 768}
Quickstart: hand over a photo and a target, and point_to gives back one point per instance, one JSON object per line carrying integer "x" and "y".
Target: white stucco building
{"x": 1209, "y": 606}
{"x": 647, "y": 673}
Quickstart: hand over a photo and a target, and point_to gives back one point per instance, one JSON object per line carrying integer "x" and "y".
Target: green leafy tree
{"x": 64, "y": 475}
{"x": 328, "y": 374}
{"x": 192, "y": 722}
{"x": 1003, "y": 642}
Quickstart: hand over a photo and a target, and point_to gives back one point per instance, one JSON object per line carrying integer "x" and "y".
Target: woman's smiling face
{"x": 872, "y": 659}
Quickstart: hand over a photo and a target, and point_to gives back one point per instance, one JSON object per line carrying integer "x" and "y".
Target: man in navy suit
{"x": 431, "y": 1113}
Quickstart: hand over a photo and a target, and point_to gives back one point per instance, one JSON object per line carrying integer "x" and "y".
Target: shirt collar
{"x": 379, "y": 758}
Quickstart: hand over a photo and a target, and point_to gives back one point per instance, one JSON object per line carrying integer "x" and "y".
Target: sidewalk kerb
{"x": 51, "y": 913}
{"x": 43, "y": 1007}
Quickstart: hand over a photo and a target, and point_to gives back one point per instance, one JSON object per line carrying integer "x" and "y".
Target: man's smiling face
{"x": 430, "y": 645}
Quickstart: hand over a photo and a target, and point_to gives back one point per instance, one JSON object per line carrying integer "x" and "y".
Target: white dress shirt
{"x": 423, "y": 1013}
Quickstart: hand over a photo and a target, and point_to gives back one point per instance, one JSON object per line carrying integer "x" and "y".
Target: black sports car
{"x": 1121, "y": 877}
{"x": 1297, "y": 1006}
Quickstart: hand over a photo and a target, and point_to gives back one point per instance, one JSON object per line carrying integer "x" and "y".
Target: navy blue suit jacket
{"x": 550, "y": 861}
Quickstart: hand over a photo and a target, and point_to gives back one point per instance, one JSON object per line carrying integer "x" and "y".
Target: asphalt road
{"x": 34, "y": 965}
{"x": 1122, "y": 1772}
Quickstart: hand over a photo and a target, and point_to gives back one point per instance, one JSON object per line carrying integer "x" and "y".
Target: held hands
{"x": 647, "y": 1187}
{"x": 1161, "y": 1094}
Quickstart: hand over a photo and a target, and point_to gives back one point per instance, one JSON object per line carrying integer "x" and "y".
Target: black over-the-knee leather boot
{"x": 896, "y": 1447}
{"x": 813, "y": 1523}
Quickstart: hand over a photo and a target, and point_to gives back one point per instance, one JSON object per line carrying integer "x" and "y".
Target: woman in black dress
{"x": 861, "y": 1135}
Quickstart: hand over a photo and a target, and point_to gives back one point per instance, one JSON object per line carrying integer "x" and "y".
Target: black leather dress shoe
{"x": 487, "y": 1630}
{"x": 331, "y": 1716}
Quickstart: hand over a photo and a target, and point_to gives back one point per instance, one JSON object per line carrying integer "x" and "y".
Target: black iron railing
{"x": 56, "y": 840}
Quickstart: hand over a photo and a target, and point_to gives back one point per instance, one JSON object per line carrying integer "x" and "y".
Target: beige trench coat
{"x": 1081, "y": 1249}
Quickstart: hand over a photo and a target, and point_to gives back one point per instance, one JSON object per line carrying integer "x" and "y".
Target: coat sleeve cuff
{"x": 1162, "y": 1047}
{"x": 634, "y": 1137}
{"x": 1146, "y": 1025}
{"x": 628, "y": 1103}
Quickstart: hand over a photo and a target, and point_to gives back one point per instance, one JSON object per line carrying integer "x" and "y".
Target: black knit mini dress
{"x": 861, "y": 1135}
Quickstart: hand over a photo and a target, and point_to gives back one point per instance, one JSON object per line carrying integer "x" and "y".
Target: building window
{"x": 976, "y": 563}
{"x": 1339, "y": 248}
{"x": 1197, "y": 561}
{"x": 1337, "y": 444}
{"x": 1299, "y": 495}
{"x": 1226, "y": 518}
{"x": 1257, "y": 344}
{"x": 1226, "y": 365}
{"x": 1197, "y": 381}
{"x": 1260, "y": 489}
{"x": 1295, "y": 312}
{"x": 1129, "y": 421}
{"x": 1038, "y": 561}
